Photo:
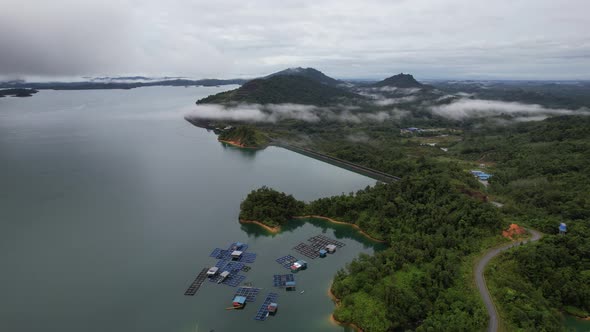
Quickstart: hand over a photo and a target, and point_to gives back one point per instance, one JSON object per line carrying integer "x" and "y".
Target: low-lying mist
{"x": 479, "y": 108}
{"x": 380, "y": 110}
{"x": 272, "y": 113}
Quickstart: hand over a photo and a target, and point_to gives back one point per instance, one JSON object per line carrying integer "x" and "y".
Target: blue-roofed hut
{"x": 290, "y": 285}
{"x": 302, "y": 264}
{"x": 272, "y": 308}
{"x": 484, "y": 176}
{"x": 239, "y": 301}
{"x": 323, "y": 253}
{"x": 562, "y": 228}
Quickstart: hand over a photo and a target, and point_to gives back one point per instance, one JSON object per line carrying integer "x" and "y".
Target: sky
{"x": 369, "y": 39}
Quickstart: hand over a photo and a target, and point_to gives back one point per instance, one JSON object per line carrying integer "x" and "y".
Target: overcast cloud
{"x": 525, "y": 39}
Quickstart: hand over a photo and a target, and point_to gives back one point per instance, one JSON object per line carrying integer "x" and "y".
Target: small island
{"x": 244, "y": 137}
{"x": 17, "y": 92}
{"x": 269, "y": 208}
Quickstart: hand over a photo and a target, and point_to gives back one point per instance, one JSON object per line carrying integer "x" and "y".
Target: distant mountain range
{"x": 305, "y": 86}
{"x": 293, "y": 85}
{"x": 115, "y": 83}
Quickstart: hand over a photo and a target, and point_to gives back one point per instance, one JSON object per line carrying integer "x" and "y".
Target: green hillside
{"x": 282, "y": 89}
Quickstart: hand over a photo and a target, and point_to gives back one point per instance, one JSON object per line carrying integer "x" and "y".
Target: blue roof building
{"x": 239, "y": 301}
{"x": 481, "y": 175}
{"x": 290, "y": 285}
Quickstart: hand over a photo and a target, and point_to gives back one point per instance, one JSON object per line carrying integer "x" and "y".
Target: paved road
{"x": 481, "y": 282}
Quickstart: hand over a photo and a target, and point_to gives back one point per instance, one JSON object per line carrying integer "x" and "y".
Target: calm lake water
{"x": 111, "y": 203}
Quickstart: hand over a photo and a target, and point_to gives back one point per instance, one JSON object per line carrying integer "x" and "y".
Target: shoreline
{"x": 277, "y": 229}
{"x": 311, "y": 216}
{"x": 273, "y": 230}
{"x": 333, "y": 319}
{"x": 238, "y": 145}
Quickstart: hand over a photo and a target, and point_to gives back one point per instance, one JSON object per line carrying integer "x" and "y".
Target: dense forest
{"x": 246, "y": 136}
{"x": 541, "y": 173}
{"x": 270, "y": 207}
{"x": 431, "y": 229}
{"x": 420, "y": 281}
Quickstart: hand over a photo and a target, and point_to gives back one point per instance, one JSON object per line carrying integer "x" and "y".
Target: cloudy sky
{"x": 508, "y": 39}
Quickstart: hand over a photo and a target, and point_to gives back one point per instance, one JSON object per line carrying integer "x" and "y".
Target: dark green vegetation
{"x": 419, "y": 281}
{"x": 270, "y": 207}
{"x": 17, "y": 92}
{"x": 282, "y": 89}
{"x": 437, "y": 220}
{"x": 246, "y": 136}
{"x": 91, "y": 85}
{"x": 532, "y": 283}
{"x": 399, "y": 81}
{"x": 541, "y": 172}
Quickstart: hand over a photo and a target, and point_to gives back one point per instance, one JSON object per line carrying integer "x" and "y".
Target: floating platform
{"x": 233, "y": 280}
{"x": 286, "y": 261}
{"x": 231, "y": 266}
{"x": 246, "y": 268}
{"x": 194, "y": 287}
{"x": 249, "y": 292}
{"x": 321, "y": 241}
{"x": 263, "y": 310}
{"x": 280, "y": 280}
{"x": 307, "y": 250}
{"x": 237, "y": 246}
{"x": 246, "y": 257}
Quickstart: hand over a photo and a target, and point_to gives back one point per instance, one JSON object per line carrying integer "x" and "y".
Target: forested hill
{"x": 542, "y": 175}
{"x": 431, "y": 228}
{"x": 402, "y": 80}
{"x": 282, "y": 89}
{"x": 310, "y": 73}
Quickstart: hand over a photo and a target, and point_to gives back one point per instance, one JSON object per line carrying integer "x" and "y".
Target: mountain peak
{"x": 310, "y": 73}
{"x": 400, "y": 80}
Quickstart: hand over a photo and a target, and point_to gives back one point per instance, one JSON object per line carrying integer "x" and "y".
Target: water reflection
{"x": 341, "y": 231}
{"x": 248, "y": 154}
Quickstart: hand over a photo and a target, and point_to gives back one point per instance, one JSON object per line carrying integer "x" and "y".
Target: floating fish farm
{"x": 194, "y": 287}
{"x": 233, "y": 261}
{"x": 263, "y": 310}
{"x": 286, "y": 261}
{"x": 280, "y": 280}
{"x": 320, "y": 241}
{"x": 307, "y": 250}
{"x": 249, "y": 293}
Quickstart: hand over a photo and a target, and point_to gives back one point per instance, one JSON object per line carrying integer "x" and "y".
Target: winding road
{"x": 481, "y": 282}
